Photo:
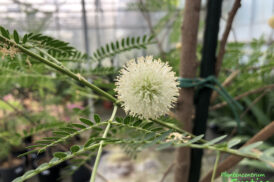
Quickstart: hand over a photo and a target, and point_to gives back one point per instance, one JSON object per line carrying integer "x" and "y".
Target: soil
{"x": 12, "y": 163}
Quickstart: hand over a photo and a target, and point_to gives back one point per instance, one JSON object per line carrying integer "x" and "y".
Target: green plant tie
{"x": 214, "y": 84}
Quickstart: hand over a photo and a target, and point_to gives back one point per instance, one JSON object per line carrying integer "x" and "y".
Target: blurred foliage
{"x": 156, "y": 5}
{"x": 255, "y": 64}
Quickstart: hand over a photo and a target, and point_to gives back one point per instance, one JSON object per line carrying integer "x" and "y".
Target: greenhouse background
{"x": 110, "y": 20}
{"x": 36, "y": 101}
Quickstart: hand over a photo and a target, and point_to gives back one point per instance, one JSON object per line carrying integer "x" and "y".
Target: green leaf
{"x": 151, "y": 38}
{"x": 123, "y": 42}
{"x": 69, "y": 130}
{"x": 127, "y": 120}
{"x": 119, "y": 120}
{"x": 97, "y": 129}
{"x": 128, "y": 41}
{"x": 233, "y": 142}
{"x": 117, "y": 44}
{"x": 147, "y": 125}
{"x": 164, "y": 146}
{"x": 95, "y": 55}
{"x": 163, "y": 136}
{"x": 35, "y": 146}
{"x": 137, "y": 123}
{"x": 79, "y": 126}
{"x": 60, "y": 155}
{"x": 103, "y": 50}
{"x": 107, "y": 48}
{"x": 51, "y": 138}
{"x": 112, "y": 46}
{"x": 16, "y": 36}
{"x": 86, "y": 121}
{"x": 138, "y": 40}
{"x": 89, "y": 142}
{"x": 248, "y": 148}
{"x": 25, "y": 38}
{"x": 133, "y": 40}
{"x": 196, "y": 139}
{"x": 4, "y": 32}
{"x": 29, "y": 172}
{"x": 43, "y": 142}
{"x": 97, "y": 118}
{"x": 55, "y": 159}
{"x": 149, "y": 136}
{"x": 144, "y": 38}
{"x": 19, "y": 179}
{"x": 74, "y": 148}
{"x": 62, "y": 133}
{"x": 157, "y": 129}
{"x": 215, "y": 140}
{"x": 43, "y": 165}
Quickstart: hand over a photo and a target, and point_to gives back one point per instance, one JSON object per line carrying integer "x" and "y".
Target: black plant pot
{"x": 28, "y": 140}
{"x": 16, "y": 153}
{"x": 9, "y": 174}
{"x": 50, "y": 175}
{"x": 83, "y": 174}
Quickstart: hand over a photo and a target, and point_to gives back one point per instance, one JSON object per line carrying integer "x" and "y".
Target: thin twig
{"x": 250, "y": 92}
{"x": 169, "y": 169}
{"x": 234, "y": 130}
{"x": 169, "y": 25}
{"x": 215, "y": 166}
{"x": 232, "y": 13}
{"x": 147, "y": 17}
{"x": 100, "y": 150}
{"x": 253, "y": 103}
{"x": 18, "y": 111}
{"x": 227, "y": 82}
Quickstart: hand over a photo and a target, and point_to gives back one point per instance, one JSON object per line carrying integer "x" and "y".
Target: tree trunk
{"x": 188, "y": 69}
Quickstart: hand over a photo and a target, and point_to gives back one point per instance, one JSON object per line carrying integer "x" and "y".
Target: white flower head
{"x": 147, "y": 88}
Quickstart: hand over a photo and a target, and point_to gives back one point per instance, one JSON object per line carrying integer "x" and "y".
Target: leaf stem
{"x": 99, "y": 153}
{"x": 62, "y": 69}
{"x": 215, "y": 166}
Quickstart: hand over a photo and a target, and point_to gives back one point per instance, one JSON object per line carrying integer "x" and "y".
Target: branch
{"x": 62, "y": 69}
{"x": 55, "y": 161}
{"x": 188, "y": 69}
{"x": 147, "y": 17}
{"x": 231, "y": 161}
{"x": 232, "y": 13}
{"x": 170, "y": 167}
{"x": 254, "y": 91}
{"x": 227, "y": 82}
{"x": 99, "y": 153}
{"x": 253, "y": 103}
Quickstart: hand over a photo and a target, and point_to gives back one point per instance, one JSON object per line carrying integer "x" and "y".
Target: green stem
{"x": 62, "y": 69}
{"x": 99, "y": 153}
{"x": 170, "y": 126}
{"x": 50, "y": 56}
{"x": 215, "y": 166}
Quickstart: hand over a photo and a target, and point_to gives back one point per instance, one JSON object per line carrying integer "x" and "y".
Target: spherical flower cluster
{"x": 147, "y": 88}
